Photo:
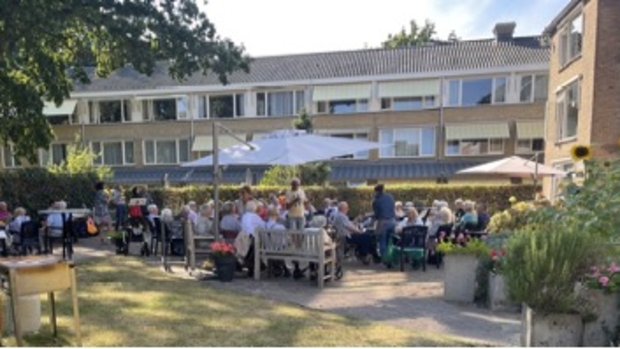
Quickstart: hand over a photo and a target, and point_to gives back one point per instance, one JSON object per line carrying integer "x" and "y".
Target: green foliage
{"x": 359, "y": 199}
{"x": 80, "y": 161}
{"x": 314, "y": 174}
{"x": 476, "y": 247}
{"x": 417, "y": 35}
{"x": 543, "y": 265}
{"x": 46, "y": 45}
{"x": 304, "y": 122}
{"x": 512, "y": 219}
{"x": 278, "y": 176}
{"x": 35, "y": 188}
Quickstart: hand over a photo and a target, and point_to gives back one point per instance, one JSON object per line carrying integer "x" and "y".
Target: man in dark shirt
{"x": 384, "y": 213}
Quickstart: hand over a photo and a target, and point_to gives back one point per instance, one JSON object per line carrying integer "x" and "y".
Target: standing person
{"x": 100, "y": 211}
{"x": 384, "y": 211}
{"x": 118, "y": 199}
{"x": 295, "y": 203}
{"x": 245, "y": 196}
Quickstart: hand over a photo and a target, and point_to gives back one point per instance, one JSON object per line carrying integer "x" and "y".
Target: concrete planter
{"x": 29, "y": 315}
{"x": 597, "y": 333}
{"x": 552, "y": 330}
{"x": 460, "y": 277}
{"x": 498, "y": 295}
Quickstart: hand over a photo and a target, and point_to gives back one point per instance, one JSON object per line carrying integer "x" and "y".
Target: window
{"x": 408, "y": 142}
{"x": 166, "y": 152}
{"x": 360, "y": 136}
{"x": 567, "y": 110}
{"x": 566, "y": 166}
{"x": 342, "y": 106}
{"x": 112, "y": 111}
{"x": 164, "y": 109}
{"x": 113, "y": 153}
{"x": 534, "y": 88}
{"x": 55, "y": 155}
{"x": 472, "y": 92}
{"x": 529, "y": 146}
{"x": 473, "y": 147}
{"x": 571, "y": 40}
{"x": 408, "y": 103}
{"x": 10, "y": 161}
{"x": 286, "y": 103}
{"x": 226, "y": 106}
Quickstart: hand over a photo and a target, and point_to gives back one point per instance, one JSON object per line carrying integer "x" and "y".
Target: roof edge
{"x": 552, "y": 27}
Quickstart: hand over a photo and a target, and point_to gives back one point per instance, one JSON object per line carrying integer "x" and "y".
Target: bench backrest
{"x": 309, "y": 242}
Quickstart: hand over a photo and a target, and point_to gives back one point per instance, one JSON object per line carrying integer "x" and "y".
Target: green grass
{"x": 125, "y": 302}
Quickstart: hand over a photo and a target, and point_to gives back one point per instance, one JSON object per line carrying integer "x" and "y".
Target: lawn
{"x": 125, "y": 302}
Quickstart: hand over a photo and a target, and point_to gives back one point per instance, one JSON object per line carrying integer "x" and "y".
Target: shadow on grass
{"x": 124, "y": 302}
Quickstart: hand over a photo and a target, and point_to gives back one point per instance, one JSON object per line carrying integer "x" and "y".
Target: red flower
{"x": 503, "y": 252}
{"x": 493, "y": 254}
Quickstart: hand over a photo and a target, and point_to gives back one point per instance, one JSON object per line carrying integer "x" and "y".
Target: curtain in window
{"x": 113, "y": 153}
{"x": 281, "y": 104}
{"x": 166, "y": 152}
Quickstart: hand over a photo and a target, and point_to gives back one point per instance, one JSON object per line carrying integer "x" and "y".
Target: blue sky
{"x": 274, "y": 27}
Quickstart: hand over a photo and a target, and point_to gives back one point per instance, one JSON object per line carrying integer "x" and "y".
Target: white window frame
{"x": 148, "y": 108}
{"x": 14, "y": 162}
{"x": 564, "y": 49}
{"x": 532, "y": 87}
{"x": 561, "y": 105}
{"x": 357, "y": 106}
{"x": 425, "y": 102}
{"x": 94, "y": 111}
{"x": 493, "y": 90}
{"x": 420, "y": 130}
{"x": 356, "y": 156}
{"x": 295, "y": 106}
{"x": 531, "y": 147}
{"x": 49, "y": 154}
{"x": 101, "y": 155}
{"x": 177, "y": 146}
{"x": 489, "y": 152}
{"x": 207, "y": 102}
{"x": 559, "y": 164}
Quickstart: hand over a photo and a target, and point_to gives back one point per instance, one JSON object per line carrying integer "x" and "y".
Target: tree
{"x": 452, "y": 37}
{"x": 304, "y": 122}
{"x": 46, "y": 46}
{"x": 417, "y": 35}
{"x": 80, "y": 160}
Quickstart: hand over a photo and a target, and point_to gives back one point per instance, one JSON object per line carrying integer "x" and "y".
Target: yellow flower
{"x": 580, "y": 152}
{"x": 512, "y": 200}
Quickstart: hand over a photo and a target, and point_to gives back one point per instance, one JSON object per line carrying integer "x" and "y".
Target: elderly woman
{"x": 470, "y": 218}
{"x": 273, "y": 220}
{"x": 5, "y": 214}
{"x": 230, "y": 218}
{"x": 398, "y": 210}
{"x": 251, "y": 221}
{"x": 204, "y": 224}
{"x": 153, "y": 212}
{"x": 412, "y": 219}
{"x": 19, "y": 217}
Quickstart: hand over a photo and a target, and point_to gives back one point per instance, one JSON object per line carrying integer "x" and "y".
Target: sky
{"x": 277, "y": 27}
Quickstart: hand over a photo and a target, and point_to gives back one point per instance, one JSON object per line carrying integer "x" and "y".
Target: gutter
{"x": 553, "y": 26}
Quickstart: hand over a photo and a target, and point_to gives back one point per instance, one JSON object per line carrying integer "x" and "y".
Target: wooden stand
{"x": 37, "y": 275}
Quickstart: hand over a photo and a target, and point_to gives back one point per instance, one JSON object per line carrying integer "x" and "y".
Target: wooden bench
{"x": 195, "y": 244}
{"x": 300, "y": 246}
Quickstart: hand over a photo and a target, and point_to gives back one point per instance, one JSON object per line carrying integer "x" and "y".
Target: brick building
{"x": 442, "y": 107}
{"x": 584, "y": 83}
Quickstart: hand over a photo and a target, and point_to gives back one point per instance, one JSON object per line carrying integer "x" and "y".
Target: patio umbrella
{"x": 514, "y": 166}
{"x": 287, "y": 148}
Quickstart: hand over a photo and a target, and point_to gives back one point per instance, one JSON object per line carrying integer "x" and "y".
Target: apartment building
{"x": 441, "y": 107}
{"x": 584, "y": 80}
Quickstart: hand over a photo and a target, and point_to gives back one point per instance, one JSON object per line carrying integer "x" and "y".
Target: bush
{"x": 359, "y": 199}
{"x": 514, "y": 218}
{"x": 34, "y": 188}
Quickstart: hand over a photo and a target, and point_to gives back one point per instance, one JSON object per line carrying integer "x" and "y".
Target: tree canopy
{"x": 45, "y": 47}
{"x": 417, "y": 35}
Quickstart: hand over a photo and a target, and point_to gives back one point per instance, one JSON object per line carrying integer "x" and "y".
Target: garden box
{"x": 550, "y": 330}
{"x": 460, "y": 277}
{"x": 498, "y": 295}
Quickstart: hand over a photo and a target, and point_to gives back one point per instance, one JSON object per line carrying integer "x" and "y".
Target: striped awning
{"x": 205, "y": 143}
{"x": 419, "y": 88}
{"x": 477, "y": 131}
{"x": 530, "y": 129}
{"x": 341, "y": 92}
{"x": 66, "y": 108}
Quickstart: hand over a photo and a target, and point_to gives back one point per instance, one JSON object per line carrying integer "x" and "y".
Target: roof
{"x": 341, "y": 172}
{"x": 434, "y": 57}
{"x": 553, "y": 26}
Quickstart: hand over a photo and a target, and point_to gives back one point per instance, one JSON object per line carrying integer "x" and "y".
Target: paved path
{"x": 412, "y": 299}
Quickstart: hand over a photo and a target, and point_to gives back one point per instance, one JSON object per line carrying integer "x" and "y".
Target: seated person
{"x": 251, "y": 221}
{"x": 273, "y": 220}
{"x": 204, "y": 224}
{"x": 346, "y": 231}
{"x": 54, "y": 222}
{"x": 469, "y": 220}
{"x": 19, "y": 217}
{"x": 412, "y": 219}
{"x": 5, "y": 214}
{"x": 230, "y": 219}
{"x": 320, "y": 222}
{"x": 153, "y": 212}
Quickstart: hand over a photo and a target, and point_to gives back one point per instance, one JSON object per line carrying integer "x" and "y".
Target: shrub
{"x": 514, "y": 218}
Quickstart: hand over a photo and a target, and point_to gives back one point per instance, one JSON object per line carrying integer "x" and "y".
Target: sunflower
{"x": 580, "y": 152}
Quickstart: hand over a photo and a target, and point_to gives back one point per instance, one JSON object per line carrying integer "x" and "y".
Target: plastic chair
{"x": 29, "y": 237}
{"x": 412, "y": 243}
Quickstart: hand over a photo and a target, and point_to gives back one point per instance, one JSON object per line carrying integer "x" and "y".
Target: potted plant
{"x": 600, "y": 288}
{"x": 496, "y": 291}
{"x": 225, "y": 261}
{"x": 117, "y": 240}
{"x": 461, "y": 262}
{"x": 542, "y": 265}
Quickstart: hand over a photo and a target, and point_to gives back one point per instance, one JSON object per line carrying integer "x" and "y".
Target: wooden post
{"x": 76, "y": 310}
{"x": 256, "y": 247}
{"x": 52, "y": 301}
{"x": 17, "y": 328}
{"x": 216, "y": 182}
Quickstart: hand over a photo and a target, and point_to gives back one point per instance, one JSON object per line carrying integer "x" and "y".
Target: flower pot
{"x": 498, "y": 295}
{"x": 460, "y": 277}
{"x": 225, "y": 267}
{"x": 598, "y": 333}
{"x": 550, "y": 330}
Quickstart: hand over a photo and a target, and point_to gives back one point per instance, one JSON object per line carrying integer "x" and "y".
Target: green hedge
{"x": 33, "y": 189}
{"x": 359, "y": 199}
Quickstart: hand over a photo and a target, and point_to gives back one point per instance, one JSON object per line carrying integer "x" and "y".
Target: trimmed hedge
{"x": 34, "y": 188}
{"x": 359, "y": 199}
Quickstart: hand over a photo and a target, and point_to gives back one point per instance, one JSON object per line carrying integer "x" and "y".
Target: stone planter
{"x": 552, "y": 330}
{"x": 460, "y": 277}
{"x": 498, "y": 295}
{"x": 29, "y": 315}
{"x": 598, "y": 333}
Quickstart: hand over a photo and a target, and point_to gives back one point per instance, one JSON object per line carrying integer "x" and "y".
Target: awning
{"x": 477, "y": 131}
{"x": 66, "y": 108}
{"x": 410, "y": 88}
{"x": 341, "y": 92}
{"x": 530, "y": 129}
{"x": 205, "y": 143}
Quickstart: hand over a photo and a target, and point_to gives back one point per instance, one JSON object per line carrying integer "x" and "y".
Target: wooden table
{"x": 35, "y": 275}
